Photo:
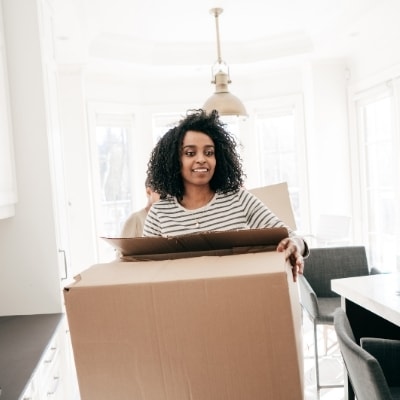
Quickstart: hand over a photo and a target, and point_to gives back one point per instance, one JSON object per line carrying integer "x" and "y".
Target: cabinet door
{"x": 8, "y": 191}
{"x": 69, "y": 382}
{"x": 55, "y": 375}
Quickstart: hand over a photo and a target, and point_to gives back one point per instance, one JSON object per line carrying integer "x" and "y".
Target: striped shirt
{"x": 232, "y": 211}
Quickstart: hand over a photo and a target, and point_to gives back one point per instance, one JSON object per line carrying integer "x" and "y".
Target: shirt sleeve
{"x": 259, "y": 215}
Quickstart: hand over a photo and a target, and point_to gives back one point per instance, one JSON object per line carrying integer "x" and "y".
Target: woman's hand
{"x": 293, "y": 254}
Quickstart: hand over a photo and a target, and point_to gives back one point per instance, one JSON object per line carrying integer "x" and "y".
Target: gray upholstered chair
{"x": 373, "y": 368}
{"x": 316, "y": 296}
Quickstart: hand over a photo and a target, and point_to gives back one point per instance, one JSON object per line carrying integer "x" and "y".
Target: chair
{"x": 373, "y": 368}
{"x": 317, "y": 299}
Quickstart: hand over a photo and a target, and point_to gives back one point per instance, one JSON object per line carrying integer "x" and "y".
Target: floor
{"x": 331, "y": 364}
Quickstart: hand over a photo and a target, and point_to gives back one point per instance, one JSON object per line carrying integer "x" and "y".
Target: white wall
{"x": 327, "y": 137}
{"x": 29, "y": 274}
{"x": 376, "y": 56}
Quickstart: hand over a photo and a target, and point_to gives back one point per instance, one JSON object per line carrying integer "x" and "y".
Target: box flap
{"x": 198, "y": 244}
{"x": 276, "y": 198}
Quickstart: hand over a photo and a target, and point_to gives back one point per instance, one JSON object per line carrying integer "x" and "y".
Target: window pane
{"x": 278, "y": 156}
{"x": 114, "y": 177}
{"x": 380, "y": 176}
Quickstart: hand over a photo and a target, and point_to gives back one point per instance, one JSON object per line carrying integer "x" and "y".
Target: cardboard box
{"x": 203, "y": 328}
{"x": 276, "y": 198}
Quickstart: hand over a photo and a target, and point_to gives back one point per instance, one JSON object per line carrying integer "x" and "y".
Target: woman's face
{"x": 197, "y": 159}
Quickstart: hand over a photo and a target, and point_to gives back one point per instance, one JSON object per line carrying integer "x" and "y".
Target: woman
{"x": 198, "y": 174}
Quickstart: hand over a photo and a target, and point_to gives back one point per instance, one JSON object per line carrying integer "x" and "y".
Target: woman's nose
{"x": 200, "y": 158}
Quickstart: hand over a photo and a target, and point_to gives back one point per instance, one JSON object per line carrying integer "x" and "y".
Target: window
{"x": 380, "y": 174}
{"x": 112, "y": 160}
{"x": 113, "y": 169}
{"x": 280, "y": 137}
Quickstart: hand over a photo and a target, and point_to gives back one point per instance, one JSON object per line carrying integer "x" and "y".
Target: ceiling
{"x": 181, "y": 34}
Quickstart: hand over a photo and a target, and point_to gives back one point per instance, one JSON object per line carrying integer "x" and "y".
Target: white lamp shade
{"x": 223, "y": 101}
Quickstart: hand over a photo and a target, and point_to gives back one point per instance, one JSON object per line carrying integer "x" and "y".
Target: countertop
{"x": 378, "y": 293}
{"x": 23, "y": 340}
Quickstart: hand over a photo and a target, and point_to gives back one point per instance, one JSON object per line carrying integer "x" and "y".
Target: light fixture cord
{"x": 216, "y": 13}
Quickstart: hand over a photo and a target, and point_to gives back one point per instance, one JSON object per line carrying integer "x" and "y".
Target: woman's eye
{"x": 190, "y": 153}
{"x": 209, "y": 153}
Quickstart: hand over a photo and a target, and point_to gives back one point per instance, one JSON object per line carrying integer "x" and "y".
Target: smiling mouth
{"x": 200, "y": 170}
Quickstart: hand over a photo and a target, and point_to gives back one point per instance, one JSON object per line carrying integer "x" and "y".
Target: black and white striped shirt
{"x": 233, "y": 211}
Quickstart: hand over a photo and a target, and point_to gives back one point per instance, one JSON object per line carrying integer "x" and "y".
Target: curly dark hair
{"x": 164, "y": 166}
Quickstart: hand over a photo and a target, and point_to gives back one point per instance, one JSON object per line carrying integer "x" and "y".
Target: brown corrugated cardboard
{"x": 203, "y": 328}
{"x": 276, "y": 198}
{"x": 199, "y": 244}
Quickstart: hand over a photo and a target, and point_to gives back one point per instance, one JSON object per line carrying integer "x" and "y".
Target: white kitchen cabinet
{"x": 8, "y": 187}
{"x": 34, "y": 266}
{"x": 54, "y": 377}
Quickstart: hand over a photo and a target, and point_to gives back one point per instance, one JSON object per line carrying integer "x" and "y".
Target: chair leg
{"x": 317, "y": 371}
{"x": 325, "y": 327}
{"x": 316, "y": 359}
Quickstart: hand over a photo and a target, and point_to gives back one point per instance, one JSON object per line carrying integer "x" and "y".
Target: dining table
{"x": 372, "y": 305}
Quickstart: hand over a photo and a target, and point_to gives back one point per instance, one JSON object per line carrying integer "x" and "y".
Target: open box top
{"x": 199, "y": 244}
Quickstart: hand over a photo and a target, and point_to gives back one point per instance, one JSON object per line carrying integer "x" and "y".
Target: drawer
{"x": 30, "y": 391}
{"x": 45, "y": 382}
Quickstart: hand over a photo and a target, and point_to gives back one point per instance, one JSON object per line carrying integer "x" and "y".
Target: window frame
{"x": 273, "y": 106}
{"x": 361, "y": 200}
{"x": 119, "y": 115}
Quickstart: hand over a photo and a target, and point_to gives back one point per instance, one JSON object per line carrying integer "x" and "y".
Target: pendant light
{"x": 222, "y": 100}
